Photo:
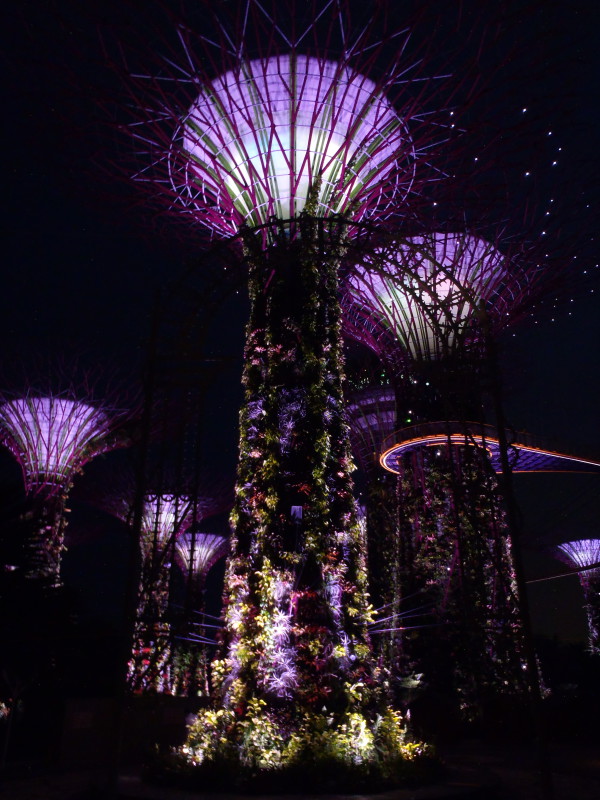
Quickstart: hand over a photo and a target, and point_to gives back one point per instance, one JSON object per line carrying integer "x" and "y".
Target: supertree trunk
{"x": 190, "y": 657}
{"x": 461, "y": 565}
{"x": 44, "y": 544}
{"x": 297, "y": 599}
{"x": 590, "y": 583}
{"x": 150, "y": 666}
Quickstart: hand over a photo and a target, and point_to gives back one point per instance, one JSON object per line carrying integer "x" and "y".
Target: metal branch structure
{"x": 427, "y": 305}
{"x": 291, "y": 127}
{"x": 583, "y": 555}
{"x": 52, "y": 438}
{"x": 199, "y": 552}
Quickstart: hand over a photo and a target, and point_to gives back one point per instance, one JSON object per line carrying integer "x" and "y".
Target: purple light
{"x": 259, "y": 139}
{"x": 426, "y": 293}
{"x": 198, "y": 552}
{"x": 51, "y": 437}
{"x": 164, "y": 516}
{"x": 526, "y": 453}
{"x": 582, "y": 553}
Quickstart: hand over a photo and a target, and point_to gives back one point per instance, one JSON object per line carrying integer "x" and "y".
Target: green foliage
{"x": 270, "y": 749}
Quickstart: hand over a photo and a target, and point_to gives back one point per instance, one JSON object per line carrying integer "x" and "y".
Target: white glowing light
{"x": 262, "y": 136}
{"x": 429, "y": 294}
{"x": 198, "y": 552}
{"x": 52, "y": 437}
{"x": 164, "y": 516}
{"x": 582, "y": 553}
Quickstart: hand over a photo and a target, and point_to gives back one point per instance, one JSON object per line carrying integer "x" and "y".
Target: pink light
{"x": 260, "y": 137}
{"x": 51, "y": 437}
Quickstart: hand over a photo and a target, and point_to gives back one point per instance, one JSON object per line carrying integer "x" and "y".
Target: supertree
{"x": 281, "y": 128}
{"x": 196, "y": 554}
{"x": 164, "y": 516}
{"x": 430, "y": 320}
{"x": 53, "y": 437}
{"x": 583, "y": 555}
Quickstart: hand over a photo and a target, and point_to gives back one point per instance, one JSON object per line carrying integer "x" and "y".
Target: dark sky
{"x": 81, "y": 265}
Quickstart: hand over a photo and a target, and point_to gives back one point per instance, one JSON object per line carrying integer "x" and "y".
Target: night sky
{"x": 83, "y": 260}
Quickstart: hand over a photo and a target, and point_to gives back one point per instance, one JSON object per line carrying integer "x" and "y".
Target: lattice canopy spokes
{"x": 581, "y": 553}
{"x": 52, "y": 437}
{"x": 427, "y": 293}
{"x": 199, "y": 552}
{"x": 263, "y": 139}
{"x": 164, "y": 516}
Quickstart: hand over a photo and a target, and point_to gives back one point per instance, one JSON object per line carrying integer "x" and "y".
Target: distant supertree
{"x": 53, "y": 437}
{"x": 428, "y": 310}
{"x": 165, "y": 516}
{"x": 196, "y": 554}
{"x": 584, "y": 556}
{"x": 281, "y": 127}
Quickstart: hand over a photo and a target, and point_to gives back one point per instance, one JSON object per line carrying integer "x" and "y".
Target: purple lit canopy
{"x": 164, "y": 516}
{"x": 582, "y": 553}
{"x": 52, "y": 437}
{"x": 425, "y": 293}
{"x": 198, "y": 552}
{"x": 261, "y": 138}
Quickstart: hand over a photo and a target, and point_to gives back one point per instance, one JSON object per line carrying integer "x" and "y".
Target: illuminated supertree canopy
{"x": 277, "y": 111}
{"x": 584, "y": 556}
{"x": 584, "y": 553}
{"x": 198, "y": 552}
{"x": 164, "y": 517}
{"x": 52, "y": 438}
{"x": 261, "y": 138}
{"x": 429, "y": 297}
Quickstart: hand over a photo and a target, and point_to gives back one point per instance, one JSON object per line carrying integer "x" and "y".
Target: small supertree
{"x": 196, "y": 554}
{"x": 164, "y": 517}
{"x": 52, "y": 438}
{"x": 154, "y": 665}
{"x": 281, "y": 127}
{"x": 428, "y": 309}
{"x": 583, "y": 555}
